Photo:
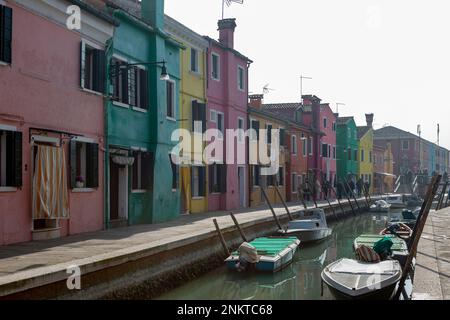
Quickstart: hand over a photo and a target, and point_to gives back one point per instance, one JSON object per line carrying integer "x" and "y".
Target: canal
{"x": 300, "y": 281}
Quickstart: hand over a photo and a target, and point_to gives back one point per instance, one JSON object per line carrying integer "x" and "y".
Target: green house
{"x": 140, "y": 116}
{"x": 347, "y": 148}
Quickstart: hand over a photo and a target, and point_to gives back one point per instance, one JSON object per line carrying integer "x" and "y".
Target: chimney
{"x": 226, "y": 32}
{"x": 153, "y": 13}
{"x": 369, "y": 119}
{"x": 256, "y": 100}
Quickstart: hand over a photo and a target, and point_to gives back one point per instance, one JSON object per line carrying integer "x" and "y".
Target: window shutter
{"x": 147, "y": 164}
{"x": 18, "y": 159}
{"x": 201, "y": 179}
{"x": 124, "y": 84}
{"x": 223, "y": 178}
{"x": 82, "y": 63}
{"x": 73, "y": 163}
{"x": 256, "y": 127}
{"x": 202, "y": 114}
{"x": 143, "y": 76}
{"x": 6, "y": 34}
{"x": 194, "y": 113}
{"x": 99, "y": 71}
{"x": 92, "y": 165}
{"x": 282, "y": 137}
{"x": 211, "y": 178}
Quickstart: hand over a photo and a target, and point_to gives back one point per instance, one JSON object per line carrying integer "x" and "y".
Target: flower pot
{"x": 80, "y": 184}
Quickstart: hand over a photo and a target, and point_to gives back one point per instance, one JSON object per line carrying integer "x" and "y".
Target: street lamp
{"x": 118, "y": 69}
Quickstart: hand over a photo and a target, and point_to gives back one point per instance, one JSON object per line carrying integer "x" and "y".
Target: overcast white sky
{"x": 388, "y": 57}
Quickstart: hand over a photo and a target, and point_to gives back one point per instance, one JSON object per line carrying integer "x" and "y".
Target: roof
{"x": 237, "y": 53}
{"x": 343, "y": 120}
{"x": 362, "y": 131}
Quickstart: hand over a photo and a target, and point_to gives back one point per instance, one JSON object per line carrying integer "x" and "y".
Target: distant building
{"x": 365, "y": 153}
{"x": 347, "y": 149}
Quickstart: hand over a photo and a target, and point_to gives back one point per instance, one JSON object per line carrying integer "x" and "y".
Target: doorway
{"x": 241, "y": 182}
{"x": 118, "y": 192}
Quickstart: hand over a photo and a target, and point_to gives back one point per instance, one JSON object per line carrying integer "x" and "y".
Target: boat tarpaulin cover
{"x": 50, "y": 195}
{"x": 388, "y": 267}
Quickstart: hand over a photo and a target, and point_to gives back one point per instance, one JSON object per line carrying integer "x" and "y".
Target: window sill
{"x": 216, "y": 79}
{"x": 4, "y": 64}
{"x": 121, "y": 104}
{"x": 8, "y": 189}
{"x": 138, "y": 191}
{"x": 140, "y": 110}
{"x": 92, "y": 92}
{"x": 198, "y": 198}
{"x": 215, "y": 193}
{"x": 171, "y": 119}
{"x": 195, "y": 73}
{"x": 83, "y": 190}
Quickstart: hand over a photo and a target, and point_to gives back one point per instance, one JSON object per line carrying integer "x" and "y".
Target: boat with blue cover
{"x": 269, "y": 254}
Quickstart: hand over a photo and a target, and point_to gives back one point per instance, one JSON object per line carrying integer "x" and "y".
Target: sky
{"x": 390, "y": 58}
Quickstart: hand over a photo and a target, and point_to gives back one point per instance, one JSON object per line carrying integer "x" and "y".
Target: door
{"x": 241, "y": 179}
{"x": 114, "y": 192}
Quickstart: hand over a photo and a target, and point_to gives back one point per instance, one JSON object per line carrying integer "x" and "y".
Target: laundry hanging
{"x": 50, "y": 194}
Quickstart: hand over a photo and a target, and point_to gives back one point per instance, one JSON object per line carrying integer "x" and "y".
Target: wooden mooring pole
{"x": 302, "y": 198}
{"x": 366, "y": 192}
{"x": 313, "y": 196}
{"x": 284, "y": 203}
{"x": 442, "y": 196}
{"x": 222, "y": 240}
{"x": 418, "y": 229}
{"x": 329, "y": 204}
{"x": 271, "y": 208}
{"x": 339, "y": 201}
{"x": 348, "y": 198}
{"x": 354, "y": 197}
{"x": 236, "y": 223}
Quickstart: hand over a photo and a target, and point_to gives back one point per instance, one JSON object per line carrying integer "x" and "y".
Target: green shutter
{"x": 143, "y": 76}
{"x": 73, "y": 163}
{"x": 82, "y": 63}
{"x": 99, "y": 71}
{"x": 201, "y": 179}
{"x": 18, "y": 159}
{"x": 223, "y": 178}
{"x": 92, "y": 165}
{"x": 202, "y": 115}
{"x": 147, "y": 167}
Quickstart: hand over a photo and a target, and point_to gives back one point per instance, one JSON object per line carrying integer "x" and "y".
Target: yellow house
{"x": 365, "y": 151}
{"x": 260, "y": 119}
{"x": 193, "y": 108}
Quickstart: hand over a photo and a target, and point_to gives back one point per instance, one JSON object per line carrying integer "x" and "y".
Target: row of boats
{"x": 374, "y": 273}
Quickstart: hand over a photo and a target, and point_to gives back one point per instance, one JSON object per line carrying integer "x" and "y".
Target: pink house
{"x": 51, "y": 121}
{"x": 322, "y": 146}
{"x": 227, "y": 92}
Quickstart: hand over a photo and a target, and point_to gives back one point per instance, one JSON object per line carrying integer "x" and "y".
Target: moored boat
{"x": 399, "y": 248}
{"x": 400, "y": 230}
{"x": 311, "y": 226}
{"x": 269, "y": 254}
{"x": 351, "y": 279}
{"x": 380, "y": 206}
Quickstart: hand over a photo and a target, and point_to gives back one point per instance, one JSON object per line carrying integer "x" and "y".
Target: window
{"x": 294, "y": 186}
{"x": 356, "y": 155}
{"x": 194, "y": 60}
{"x": 280, "y": 176}
{"x": 349, "y": 154}
{"x": 213, "y": 116}
{"x": 405, "y": 145}
{"x": 142, "y": 170}
{"x": 304, "y": 145}
{"x": 256, "y": 172}
{"x": 310, "y": 146}
{"x": 83, "y": 164}
{"x": 119, "y": 82}
{"x": 334, "y": 126}
{"x": 221, "y": 123}
{"x": 294, "y": 145}
{"x": 215, "y": 66}
{"x": 138, "y": 88}
{"x": 329, "y": 151}
{"x": 170, "y": 98}
{"x": 325, "y": 122}
{"x": 93, "y": 66}
{"x": 254, "y": 134}
{"x": 198, "y": 181}
{"x": 362, "y": 155}
{"x": 241, "y": 131}
{"x": 199, "y": 115}
{"x": 218, "y": 178}
{"x": 334, "y": 152}
{"x": 175, "y": 174}
{"x": 269, "y": 133}
{"x": 282, "y": 137}
{"x": 370, "y": 156}
{"x": 10, "y": 158}
{"x": 241, "y": 78}
{"x": 324, "y": 150}
{"x": 6, "y": 16}
{"x": 349, "y": 133}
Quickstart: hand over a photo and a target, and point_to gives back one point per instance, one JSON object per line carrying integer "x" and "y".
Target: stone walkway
{"x": 432, "y": 276}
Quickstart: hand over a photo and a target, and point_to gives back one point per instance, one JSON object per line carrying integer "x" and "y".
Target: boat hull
{"x": 307, "y": 235}
{"x": 383, "y": 294}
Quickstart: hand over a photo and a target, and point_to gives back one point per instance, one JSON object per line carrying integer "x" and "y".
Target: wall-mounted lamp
{"x": 118, "y": 69}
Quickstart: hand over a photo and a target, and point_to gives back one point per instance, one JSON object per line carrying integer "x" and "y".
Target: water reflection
{"x": 299, "y": 281}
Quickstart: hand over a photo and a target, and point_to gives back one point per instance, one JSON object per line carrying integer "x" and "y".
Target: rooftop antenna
{"x": 339, "y": 104}
{"x": 266, "y": 89}
{"x": 228, "y": 2}
{"x": 301, "y": 87}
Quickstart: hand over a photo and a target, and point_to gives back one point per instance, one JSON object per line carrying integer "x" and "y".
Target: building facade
{"x": 347, "y": 149}
{"x": 51, "y": 121}
{"x": 227, "y": 93}
{"x": 365, "y": 153}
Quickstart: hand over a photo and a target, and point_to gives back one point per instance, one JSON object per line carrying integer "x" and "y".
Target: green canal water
{"x": 300, "y": 281}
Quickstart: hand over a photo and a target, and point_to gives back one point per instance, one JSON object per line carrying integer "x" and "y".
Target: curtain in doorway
{"x": 50, "y": 194}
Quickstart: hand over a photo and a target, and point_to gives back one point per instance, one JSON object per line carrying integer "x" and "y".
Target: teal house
{"x": 143, "y": 74}
{"x": 347, "y": 148}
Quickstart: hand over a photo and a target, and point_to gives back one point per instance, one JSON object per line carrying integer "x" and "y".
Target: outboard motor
{"x": 247, "y": 255}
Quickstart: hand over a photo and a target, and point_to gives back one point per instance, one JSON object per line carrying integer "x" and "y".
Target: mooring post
{"x": 348, "y": 197}
{"x": 442, "y": 196}
{"x": 271, "y": 209}
{"x": 222, "y": 240}
{"x": 339, "y": 201}
{"x": 418, "y": 229}
{"x": 366, "y": 192}
{"x": 302, "y": 198}
{"x": 284, "y": 203}
{"x": 332, "y": 208}
{"x": 313, "y": 196}
{"x": 354, "y": 197}
{"x": 238, "y": 227}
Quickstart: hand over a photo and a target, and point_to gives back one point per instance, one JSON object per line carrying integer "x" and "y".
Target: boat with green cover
{"x": 269, "y": 254}
{"x": 399, "y": 248}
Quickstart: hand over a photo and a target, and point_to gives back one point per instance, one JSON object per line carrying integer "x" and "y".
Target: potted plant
{"x": 80, "y": 182}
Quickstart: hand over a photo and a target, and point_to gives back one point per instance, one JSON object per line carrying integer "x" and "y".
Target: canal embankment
{"x": 127, "y": 262}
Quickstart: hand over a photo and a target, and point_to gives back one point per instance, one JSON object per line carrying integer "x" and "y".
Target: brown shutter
{"x": 99, "y": 71}
{"x": 223, "y": 178}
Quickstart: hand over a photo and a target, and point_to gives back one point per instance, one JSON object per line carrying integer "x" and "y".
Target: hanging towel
{"x": 50, "y": 194}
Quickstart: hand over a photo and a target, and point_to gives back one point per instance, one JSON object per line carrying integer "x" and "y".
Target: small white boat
{"x": 396, "y": 200}
{"x": 380, "y": 206}
{"x": 351, "y": 279}
{"x": 311, "y": 226}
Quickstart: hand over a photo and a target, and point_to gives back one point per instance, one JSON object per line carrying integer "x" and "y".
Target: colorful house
{"x": 51, "y": 120}
{"x": 383, "y": 177}
{"x": 227, "y": 92}
{"x": 347, "y": 149}
{"x": 141, "y": 112}
{"x": 192, "y": 108}
{"x": 263, "y": 119}
{"x": 365, "y": 153}
{"x": 297, "y": 137}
